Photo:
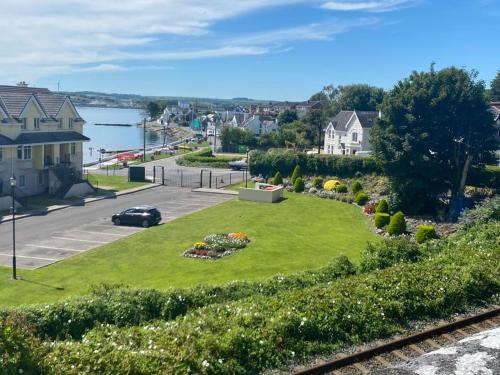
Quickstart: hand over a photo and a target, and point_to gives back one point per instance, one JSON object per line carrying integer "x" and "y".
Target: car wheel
{"x": 116, "y": 221}
{"x": 145, "y": 223}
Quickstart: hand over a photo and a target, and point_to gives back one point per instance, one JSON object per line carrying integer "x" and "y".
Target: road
{"x": 42, "y": 240}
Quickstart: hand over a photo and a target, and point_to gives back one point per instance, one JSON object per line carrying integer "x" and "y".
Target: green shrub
{"x": 278, "y": 179}
{"x": 488, "y": 210}
{"x": 206, "y": 157}
{"x": 241, "y": 337}
{"x": 381, "y": 219}
{"x": 342, "y": 266}
{"x": 425, "y": 233}
{"x": 318, "y": 182}
{"x": 296, "y": 174}
{"x": 388, "y": 252}
{"x": 397, "y": 225}
{"x": 341, "y": 188}
{"x": 298, "y": 186}
{"x": 382, "y": 206}
{"x": 361, "y": 198}
{"x": 356, "y": 187}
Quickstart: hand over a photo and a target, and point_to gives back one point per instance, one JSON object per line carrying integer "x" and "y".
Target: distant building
{"x": 41, "y": 140}
{"x": 275, "y": 108}
{"x": 495, "y": 109}
{"x": 260, "y": 125}
{"x": 349, "y": 132}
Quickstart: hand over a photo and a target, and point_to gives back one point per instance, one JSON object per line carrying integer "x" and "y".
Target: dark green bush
{"x": 204, "y": 157}
{"x": 296, "y": 174}
{"x": 341, "y": 188}
{"x": 488, "y": 210}
{"x": 298, "y": 186}
{"x": 382, "y": 206}
{"x": 318, "y": 182}
{"x": 381, "y": 219}
{"x": 388, "y": 252}
{"x": 256, "y": 334}
{"x": 356, "y": 187}
{"x": 425, "y": 233}
{"x": 268, "y": 163}
{"x": 361, "y": 198}
{"x": 397, "y": 225}
{"x": 278, "y": 179}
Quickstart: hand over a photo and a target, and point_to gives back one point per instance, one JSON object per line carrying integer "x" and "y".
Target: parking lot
{"x": 43, "y": 240}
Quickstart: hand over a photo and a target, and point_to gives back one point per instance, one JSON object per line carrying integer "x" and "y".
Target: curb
{"x": 89, "y": 200}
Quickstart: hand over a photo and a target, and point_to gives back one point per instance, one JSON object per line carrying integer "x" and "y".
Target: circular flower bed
{"x": 216, "y": 246}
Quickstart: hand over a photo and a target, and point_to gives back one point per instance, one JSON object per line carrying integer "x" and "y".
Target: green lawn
{"x": 116, "y": 183}
{"x": 301, "y": 232}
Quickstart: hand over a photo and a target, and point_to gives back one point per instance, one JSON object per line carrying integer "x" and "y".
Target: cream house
{"x": 349, "y": 132}
{"x": 40, "y": 141}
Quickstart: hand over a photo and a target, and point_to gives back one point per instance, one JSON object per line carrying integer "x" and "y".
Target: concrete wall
{"x": 6, "y": 203}
{"x": 79, "y": 190}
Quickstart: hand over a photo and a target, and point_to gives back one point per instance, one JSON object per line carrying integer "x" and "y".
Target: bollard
{"x": 210, "y": 180}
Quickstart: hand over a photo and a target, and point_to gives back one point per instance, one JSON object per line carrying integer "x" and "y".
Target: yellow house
{"x": 40, "y": 141}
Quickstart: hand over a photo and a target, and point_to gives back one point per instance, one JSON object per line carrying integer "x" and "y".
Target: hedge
{"x": 268, "y": 163}
{"x": 205, "y": 157}
{"x": 488, "y": 176}
{"x": 252, "y": 335}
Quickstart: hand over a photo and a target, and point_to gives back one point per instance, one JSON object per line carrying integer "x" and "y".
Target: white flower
{"x": 261, "y": 342}
{"x": 205, "y": 363}
{"x": 21, "y": 371}
{"x": 220, "y": 360}
{"x": 348, "y": 316}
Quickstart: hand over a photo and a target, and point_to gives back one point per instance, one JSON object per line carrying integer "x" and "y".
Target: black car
{"x": 143, "y": 215}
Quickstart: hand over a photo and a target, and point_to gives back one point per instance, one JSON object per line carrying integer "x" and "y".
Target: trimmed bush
{"x": 356, "y": 187}
{"x": 388, "y": 252}
{"x": 341, "y": 188}
{"x": 361, "y": 198}
{"x": 318, "y": 182}
{"x": 278, "y": 179}
{"x": 381, "y": 219}
{"x": 382, "y": 206}
{"x": 425, "y": 233}
{"x": 299, "y": 185}
{"x": 296, "y": 174}
{"x": 397, "y": 225}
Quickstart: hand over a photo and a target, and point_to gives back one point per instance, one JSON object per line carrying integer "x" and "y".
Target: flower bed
{"x": 216, "y": 246}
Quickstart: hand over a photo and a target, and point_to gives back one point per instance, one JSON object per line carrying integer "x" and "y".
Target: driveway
{"x": 43, "y": 240}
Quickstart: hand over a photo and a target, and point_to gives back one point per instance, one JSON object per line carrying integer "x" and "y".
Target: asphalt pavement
{"x": 43, "y": 240}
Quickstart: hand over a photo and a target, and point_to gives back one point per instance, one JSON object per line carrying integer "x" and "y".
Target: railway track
{"x": 389, "y": 354}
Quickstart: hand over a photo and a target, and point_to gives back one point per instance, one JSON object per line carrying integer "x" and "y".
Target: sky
{"x": 262, "y": 49}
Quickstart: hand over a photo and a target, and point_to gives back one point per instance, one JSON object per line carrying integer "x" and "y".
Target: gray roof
{"x": 366, "y": 118}
{"x": 13, "y": 100}
{"x": 4, "y": 141}
{"x": 50, "y": 137}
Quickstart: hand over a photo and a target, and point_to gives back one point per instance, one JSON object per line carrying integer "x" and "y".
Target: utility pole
{"x": 144, "y": 141}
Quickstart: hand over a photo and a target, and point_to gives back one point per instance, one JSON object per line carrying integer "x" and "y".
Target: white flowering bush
{"x": 218, "y": 245}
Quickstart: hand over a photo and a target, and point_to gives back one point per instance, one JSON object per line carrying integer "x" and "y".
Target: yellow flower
{"x": 330, "y": 184}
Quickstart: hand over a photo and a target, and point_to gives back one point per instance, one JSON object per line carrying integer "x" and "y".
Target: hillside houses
{"x": 349, "y": 132}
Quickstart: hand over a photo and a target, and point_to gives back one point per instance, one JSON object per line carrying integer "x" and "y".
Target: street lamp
{"x": 248, "y": 166}
{"x": 13, "y": 192}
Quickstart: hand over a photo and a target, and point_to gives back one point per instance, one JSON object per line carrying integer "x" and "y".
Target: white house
{"x": 349, "y": 132}
{"x": 259, "y": 124}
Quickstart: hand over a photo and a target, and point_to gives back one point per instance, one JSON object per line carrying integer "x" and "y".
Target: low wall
{"x": 6, "y": 203}
{"x": 79, "y": 190}
{"x": 257, "y": 195}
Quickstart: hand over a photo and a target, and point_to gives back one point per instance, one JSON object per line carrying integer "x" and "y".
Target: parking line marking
{"x": 24, "y": 256}
{"x": 55, "y": 248}
{"x": 77, "y": 239}
{"x": 90, "y": 232}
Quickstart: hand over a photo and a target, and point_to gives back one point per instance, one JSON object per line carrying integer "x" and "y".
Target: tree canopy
{"x": 153, "y": 109}
{"x": 435, "y": 126}
{"x": 495, "y": 88}
{"x": 287, "y": 117}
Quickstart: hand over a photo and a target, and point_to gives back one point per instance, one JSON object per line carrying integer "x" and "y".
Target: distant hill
{"x": 114, "y": 100}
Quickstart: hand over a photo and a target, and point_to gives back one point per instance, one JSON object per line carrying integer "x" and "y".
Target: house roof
{"x": 13, "y": 100}
{"x": 366, "y": 118}
{"x": 4, "y": 141}
{"x": 50, "y": 137}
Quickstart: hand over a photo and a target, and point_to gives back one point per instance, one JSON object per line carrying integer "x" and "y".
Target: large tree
{"x": 153, "y": 109}
{"x": 287, "y": 116}
{"x": 495, "y": 88}
{"x": 361, "y": 97}
{"x": 435, "y": 126}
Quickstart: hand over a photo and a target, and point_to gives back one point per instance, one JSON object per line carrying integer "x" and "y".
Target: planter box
{"x": 262, "y": 193}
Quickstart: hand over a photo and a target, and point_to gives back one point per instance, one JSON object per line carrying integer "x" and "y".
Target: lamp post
{"x": 13, "y": 192}
{"x": 246, "y": 169}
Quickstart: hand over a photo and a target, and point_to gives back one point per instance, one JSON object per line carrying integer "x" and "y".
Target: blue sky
{"x": 264, "y": 49}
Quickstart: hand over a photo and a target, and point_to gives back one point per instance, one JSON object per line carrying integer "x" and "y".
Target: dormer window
{"x": 24, "y": 124}
{"x": 354, "y": 137}
{"x": 36, "y": 123}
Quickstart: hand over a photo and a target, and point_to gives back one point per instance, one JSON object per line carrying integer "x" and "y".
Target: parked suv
{"x": 142, "y": 215}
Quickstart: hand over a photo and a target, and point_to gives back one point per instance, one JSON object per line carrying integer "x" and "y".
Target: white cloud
{"x": 371, "y": 6}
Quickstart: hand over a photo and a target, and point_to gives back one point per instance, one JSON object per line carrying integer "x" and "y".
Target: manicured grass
{"x": 301, "y": 232}
{"x": 116, "y": 183}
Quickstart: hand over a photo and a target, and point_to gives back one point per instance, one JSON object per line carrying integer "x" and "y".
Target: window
{"x": 73, "y": 149}
{"x": 70, "y": 123}
{"x": 24, "y": 152}
{"x": 24, "y": 125}
{"x": 331, "y": 134}
{"x": 36, "y": 123}
{"x": 60, "y": 123}
{"x": 354, "y": 137}
{"x": 1, "y": 154}
{"x": 22, "y": 180}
